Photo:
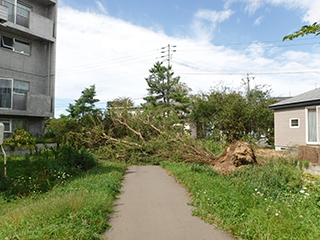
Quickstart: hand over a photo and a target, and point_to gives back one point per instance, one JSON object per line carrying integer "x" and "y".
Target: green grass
{"x": 273, "y": 201}
{"x": 77, "y": 209}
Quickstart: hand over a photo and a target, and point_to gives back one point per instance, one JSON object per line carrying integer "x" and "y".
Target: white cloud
{"x": 310, "y": 8}
{"x": 116, "y": 55}
{"x": 101, "y": 7}
{"x": 213, "y": 16}
{"x": 258, "y": 21}
{"x": 204, "y": 30}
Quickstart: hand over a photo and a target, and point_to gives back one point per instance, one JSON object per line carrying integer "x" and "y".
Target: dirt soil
{"x": 154, "y": 206}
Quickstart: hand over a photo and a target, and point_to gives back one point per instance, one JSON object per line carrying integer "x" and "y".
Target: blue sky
{"x": 112, "y": 44}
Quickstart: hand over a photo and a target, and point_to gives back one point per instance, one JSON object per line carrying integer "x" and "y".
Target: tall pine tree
{"x": 161, "y": 85}
{"x": 85, "y": 104}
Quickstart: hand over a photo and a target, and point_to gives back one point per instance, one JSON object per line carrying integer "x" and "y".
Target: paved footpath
{"x": 153, "y": 206}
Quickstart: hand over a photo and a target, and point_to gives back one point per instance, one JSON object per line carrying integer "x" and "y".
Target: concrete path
{"x": 153, "y": 206}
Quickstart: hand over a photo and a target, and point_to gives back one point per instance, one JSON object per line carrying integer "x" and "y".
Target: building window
{"x": 7, "y": 125}
{"x": 15, "y": 45}
{"x": 294, "y": 123}
{"x": 20, "y": 90}
{"x": 12, "y": 124}
{"x": 18, "y": 12}
{"x": 312, "y": 125}
{"x": 5, "y": 93}
{"x": 13, "y": 94}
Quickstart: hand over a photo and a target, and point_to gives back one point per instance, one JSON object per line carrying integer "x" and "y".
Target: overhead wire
{"x": 255, "y": 73}
{"x": 123, "y": 61}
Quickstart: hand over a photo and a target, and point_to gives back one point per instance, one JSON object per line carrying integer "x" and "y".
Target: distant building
{"x": 27, "y": 63}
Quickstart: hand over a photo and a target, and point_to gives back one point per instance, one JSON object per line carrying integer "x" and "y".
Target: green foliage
{"x": 85, "y": 104}
{"x": 303, "y": 164}
{"x": 270, "y": 201}
{"x": 213, "y": 146}
{"x": 39, "y": 172}
{"x": 120, "y": 102}
{"x": 230, "y": 113}
{"x": 160, "y": 82}
{"x": 20, "y": 138}
{"x": 78, "y": 209}
{"x": 166, "y": 91}
{"x": 305, "y": 30}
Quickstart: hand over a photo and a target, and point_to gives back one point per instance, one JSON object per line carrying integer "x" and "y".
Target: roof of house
{"x": 308, "y": 98}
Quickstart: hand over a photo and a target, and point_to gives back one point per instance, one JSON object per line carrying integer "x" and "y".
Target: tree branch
{"x": 121, "y": 141}
{"x": 151, "y": 125}
{"x": 125, "y": 124}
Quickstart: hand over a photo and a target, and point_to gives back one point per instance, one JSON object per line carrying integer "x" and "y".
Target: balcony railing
{"x": 3, "y": 13}
{"x": 18, "y": 14}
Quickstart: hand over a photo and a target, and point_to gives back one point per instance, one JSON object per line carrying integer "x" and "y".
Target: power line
{"x": 249, "y": 43}
{"x": 242, "y": 73}
{"x": 109, "y": 62}
{"x": 210, "y": 48}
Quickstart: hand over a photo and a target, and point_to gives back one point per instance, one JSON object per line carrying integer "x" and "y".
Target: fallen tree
{"x": 149, "y": 138}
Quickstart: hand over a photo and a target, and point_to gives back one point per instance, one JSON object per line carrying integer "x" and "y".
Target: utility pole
{"x": 247, "y": 82}
{"x": 169, "y": 51}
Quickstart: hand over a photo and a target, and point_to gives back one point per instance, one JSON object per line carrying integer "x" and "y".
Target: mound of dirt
{"x": 236, "y": 155}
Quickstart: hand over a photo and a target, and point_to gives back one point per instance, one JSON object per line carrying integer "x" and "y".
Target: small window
{"x": 294, "y": 123}
{"x": 15, "y": 45}
{"x": 7, "y": 42}
{"x": 21, "y": 47}
{"x": 7, "y": 125}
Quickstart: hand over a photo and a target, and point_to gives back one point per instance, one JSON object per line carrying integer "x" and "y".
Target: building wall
{"x": 38, "y": 68}
{"x": 285, "y": 136}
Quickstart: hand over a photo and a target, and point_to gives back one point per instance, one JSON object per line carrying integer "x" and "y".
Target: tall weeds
{"x": 270, "y": 201}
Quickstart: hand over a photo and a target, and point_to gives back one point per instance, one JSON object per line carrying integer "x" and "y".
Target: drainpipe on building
{"x": 4, "y": 153}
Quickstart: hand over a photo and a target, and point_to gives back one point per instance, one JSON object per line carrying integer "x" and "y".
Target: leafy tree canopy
{"x": 85, "y": 104}
{"x": 305, "y": 30}
{"x": 120, "y": 102}
{"x": 233, "y": 114}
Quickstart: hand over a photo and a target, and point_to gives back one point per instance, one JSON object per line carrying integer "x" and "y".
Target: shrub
{"x": 20, "y": 138}
{"x": 40, "y": 172}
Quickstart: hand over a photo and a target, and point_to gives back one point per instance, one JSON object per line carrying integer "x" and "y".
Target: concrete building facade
{"x": 27, "y": 63}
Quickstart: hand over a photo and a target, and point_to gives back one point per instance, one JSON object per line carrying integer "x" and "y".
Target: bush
{"x": 20, "y": 138}
{"x": 40, "y": 172}
{"x": 271, "y": 179}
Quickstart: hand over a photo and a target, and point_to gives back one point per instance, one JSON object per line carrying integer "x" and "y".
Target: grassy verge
{"x": 76, "y": 209}
{"x": 271, "y": 201}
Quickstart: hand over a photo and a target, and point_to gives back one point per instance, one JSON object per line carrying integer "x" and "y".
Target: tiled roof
{"x": 307, "y": 97}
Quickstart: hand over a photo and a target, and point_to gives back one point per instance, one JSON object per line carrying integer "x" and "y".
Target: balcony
{"x": 46, "y": 2}
{"x": 22, "y": 21}
{"x": 18, "y": 14}
{"x": 3, "y": 13}
{"x": 35, "y": 105}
